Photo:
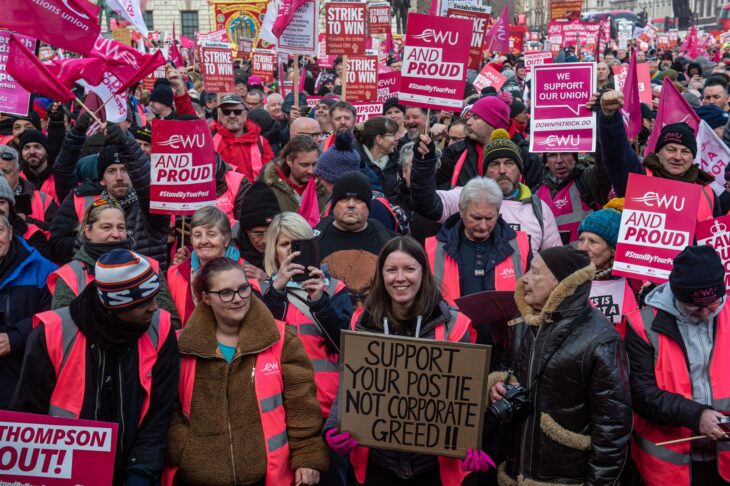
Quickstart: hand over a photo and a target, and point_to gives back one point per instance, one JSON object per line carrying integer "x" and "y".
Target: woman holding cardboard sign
{"x": 405, "y": 301}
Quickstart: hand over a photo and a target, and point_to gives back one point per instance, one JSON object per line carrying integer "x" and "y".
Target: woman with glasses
{"x": 247, "y": 411}
{"x": 103, "y": 229}
{"x": 377, "y": 138}
{"x": 210, "y": 237}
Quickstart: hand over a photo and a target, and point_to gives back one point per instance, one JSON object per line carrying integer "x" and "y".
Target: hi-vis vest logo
{"x": 185, "y": 141}
{"x": 561, "y": 203}
{"x": 271, "y": 368}
{"x": 507, "y": 273}
{"x": 438, "y": 37}
{"x": 652, "y": 199}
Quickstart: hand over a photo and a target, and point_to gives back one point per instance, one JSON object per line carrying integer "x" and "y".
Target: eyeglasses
{"x": 226, "y": 295}
{"x": 694, "y": 308}
{"x": 553, "y": 156}
{"x": 234, "y": 111}
{"x": 256, "y": 234}
{"x": 314, "y": 135}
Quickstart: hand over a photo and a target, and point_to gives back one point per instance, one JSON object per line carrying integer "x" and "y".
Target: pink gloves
{"x": 477, "y": 461}
{"x": 341, "y": 443}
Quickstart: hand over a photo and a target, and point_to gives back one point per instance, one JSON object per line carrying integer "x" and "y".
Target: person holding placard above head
{"x": 405, "y": 301}
{"x": 247, "y": 412}
{"x": 597, "y": 235}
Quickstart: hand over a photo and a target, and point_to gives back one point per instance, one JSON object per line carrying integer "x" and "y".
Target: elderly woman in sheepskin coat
{"x": 576, "y": 427}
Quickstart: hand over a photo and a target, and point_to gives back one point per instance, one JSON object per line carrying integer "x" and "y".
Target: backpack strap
{"x": 536, "y": 203}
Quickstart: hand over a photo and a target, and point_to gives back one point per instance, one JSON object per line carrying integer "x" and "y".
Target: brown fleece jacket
{"x": 224, "y": 444}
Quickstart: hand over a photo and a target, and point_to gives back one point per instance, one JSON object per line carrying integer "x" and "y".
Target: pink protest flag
{"x": 673, "y": 108}
{"x": 174, "y": 52}
{"x": 631, "y": 110}
{"x": 287, "y": 9}
{"x": 309, "y": 208}
{"x": 186, "y": 42}
{"x": 69, "y": 24}
{"x": 68, "y": 71}
{"x": 497, "y": 39}
{"x": 125, "y": 62}
{"x": 32, "y": 74}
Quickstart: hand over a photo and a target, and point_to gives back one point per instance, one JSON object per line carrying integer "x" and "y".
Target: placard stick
{"x": 295, "y": 82}
{"x": 677, "y": 441}
{"x": 344, "y": 78}
{"x": 92, "y": 113}
{"x": 447, "y": 122}
{"x": 427, "y": 125}
{"x": 182, "y": 232}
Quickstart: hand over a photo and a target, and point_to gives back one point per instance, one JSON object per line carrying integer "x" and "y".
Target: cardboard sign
{"x": 565, "y": 9}
{"x": 489, "y": 76}
{"x": 414, "y": 395}
{"x": 642, "y": 72}
{"x": 217, "y": 65}
{"x": 14, "y": 100}
{"x": 345, "y": 27}
{"x": 182, "y": 175}
{"x": 53, "y": 451}
{"x": 263, "y": 64}
{"x": 434, "y": 62}
{"x": 715, "y": 233}
{"x": 300, "y": 36}
{"x": 379, "y": 18}
{"x": 362, "y": 78}
{"x": 388, "y": 85}
{"x": 713, "y": 155}
{"x": 479, "y": 17}
{"x": 537, "y": 58}
{"x": 560, "y": 121}
{"x": 657, "y": 223}
{"x": 367, "y": 110}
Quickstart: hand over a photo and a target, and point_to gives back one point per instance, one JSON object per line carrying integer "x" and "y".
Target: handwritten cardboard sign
{"x": 413, "y": 395}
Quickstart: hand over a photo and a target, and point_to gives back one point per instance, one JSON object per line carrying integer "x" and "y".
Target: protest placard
{"x": 263, "y": 63}
{"x": 642, "y": 72}
{"x": 479, "y": 17}
{"x": 673, "y": 38}
{"x": 434, "y": 62}
{"x": 414, "y": 395}
{"x": 182, "y": 167}
{"x": 489, "y": 76}
{"x": 362, "y": 78}
{"x": 560, "y": 122}
{"x": 54, "y": 451}
{"x": 537, "y": 58}
{"x": 657, "y": 223}
{"x": 388, "y": 85}
{"x": 14, "y": 100}
{"x": 217, "y": 64}
{"x": 662, "y": 41}
{"x": 379, "y": 18}
{"x": 713, "y": 155}
{"x": 300, "y": 36}
{"x": 565, "y": 9}
{"x": 148, "y": 82}
{"x": 345, "y": 27}
{"x": 367, "y": 110}
{"x": 715, "y": 233}
{"x": 517, "y": 38}
{"x": 324, "y": 59}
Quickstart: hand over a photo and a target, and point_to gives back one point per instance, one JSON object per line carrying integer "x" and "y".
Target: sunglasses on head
{"x": 236, "y": 111}
{"x": 105, "y": 202}
{"x": 6, "y": 156}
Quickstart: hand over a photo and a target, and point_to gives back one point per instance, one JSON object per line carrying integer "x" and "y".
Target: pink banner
{"x": 388, "y": 86}
{"x": 715, "y": 233}
{"x": 489, "y": 76}
{"x": 182, "y": 169}
{"x": 54, "y": 451}
{"x": 497, "y": 39}
{"x": 642, "y": 70}
{"x": 14, "y": 100}
{"x": 434, "y": 62}
{"x": 657, "y": 223}
{"x": 560, "y": 121}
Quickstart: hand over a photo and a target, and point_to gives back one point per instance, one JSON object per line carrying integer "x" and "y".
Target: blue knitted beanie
{"x": 605, "y": 223}
{"x": 338, "y": 159}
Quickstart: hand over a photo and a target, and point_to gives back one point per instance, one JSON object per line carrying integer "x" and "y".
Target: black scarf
{"x": 37, "y": 179}
{"x": 248, "y": 252}
{"x": 101, "y": 326}
{"x": 95, "y": 250}
{"x": 693, "y": 175}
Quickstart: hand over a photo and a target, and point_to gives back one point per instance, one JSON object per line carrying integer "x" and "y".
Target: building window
{"x": 189, "y": 21}
{"x": 149, "y": 19}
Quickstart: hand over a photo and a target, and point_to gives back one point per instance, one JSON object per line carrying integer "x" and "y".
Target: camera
{"x": 517, "y": 400}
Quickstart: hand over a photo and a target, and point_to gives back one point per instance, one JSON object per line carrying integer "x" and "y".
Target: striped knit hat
{"x": 125, "y": 280}
{"x": 500, "y": 146}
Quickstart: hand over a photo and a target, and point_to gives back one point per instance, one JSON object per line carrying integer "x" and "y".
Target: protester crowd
{"x": 218, "y": 354}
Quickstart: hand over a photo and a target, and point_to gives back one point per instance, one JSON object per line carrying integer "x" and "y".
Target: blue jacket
{"x": 23, "y": 292}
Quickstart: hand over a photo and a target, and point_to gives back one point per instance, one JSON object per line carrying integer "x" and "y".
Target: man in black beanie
{"x": 576, "y": 429}
{"x": 161, "y": 102}
{"x": 680, "y": 386}
{"x": 256, "y": 207}
{"x": 35, "y": 162}
{"x": 349, "y": 241}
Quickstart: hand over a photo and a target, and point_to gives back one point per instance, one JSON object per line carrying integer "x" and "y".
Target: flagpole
{"x": 91, "y": 113}
{"x": 104, "y": 104}
{"x": 295, "y": 81}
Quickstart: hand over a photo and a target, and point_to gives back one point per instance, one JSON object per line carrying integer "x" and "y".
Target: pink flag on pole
{"x": 497, "y": 39}
{"x": 285, "y": 15}
{"x": 125, "y": 62}
{"x": 68, "y": 71}
{"x": 32, "y": 74}
{"x": 174, "y": 52}
{"x": 69, "y": 24}
{"x": 673, "y": 108}
{"x": 631, "y": 110}
{"x": 309, "y": 208}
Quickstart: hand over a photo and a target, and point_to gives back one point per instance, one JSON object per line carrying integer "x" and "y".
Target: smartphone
{"x": 23, "y": 204}
{"x": 309, "y": 257}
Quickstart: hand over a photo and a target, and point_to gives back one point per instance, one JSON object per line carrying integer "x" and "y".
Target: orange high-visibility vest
{"x": 66, "y": 347}
{"x": 269, "y": 387}
{"x": 39, "y": 204}
{"x": 49, "y": 187}
{"x": 33, "y": 229}
{"x": 450, "y": 469}
{"x": 326, "y": 370}
{"x": 83, "y": 202}
{"x": 615, "y": 298}
{"x": 506, "y": 273}
{"x": 256, "y": 154}
{"x": 568, "y": 207}
{"x": 76, "y": 277}
{"x": 457, "y": 168}
{"x": 707, "y": 202}
{"x": 670, "y": 464}
{"x": 5, "y": 139}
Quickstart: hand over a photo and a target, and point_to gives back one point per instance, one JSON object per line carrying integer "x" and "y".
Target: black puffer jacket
{"x": 578, "y": 431}
{"x": 451, "y": 157}
{"x": 147, "y": 231}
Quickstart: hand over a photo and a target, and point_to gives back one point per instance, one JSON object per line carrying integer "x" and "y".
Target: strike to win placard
{"x": 345, "y": 27}
{"x": 362, "y": 78}
{"x": 182, "y": 175}
{"x": 53, "y": 451}
{"x": 413, "y": 395}
{"x": 217, "y": 65}
{"x": 657, "y": 223}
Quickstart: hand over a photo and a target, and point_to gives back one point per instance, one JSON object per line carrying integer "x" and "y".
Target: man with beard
{"x": 42, "y": 206}
{"x": 35, "y": 163}
{"x": 342, "y": 116}
{"x": 322, "y": 114}
{"x": 502, "y": 162}
{"x": 124, "y": 177}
